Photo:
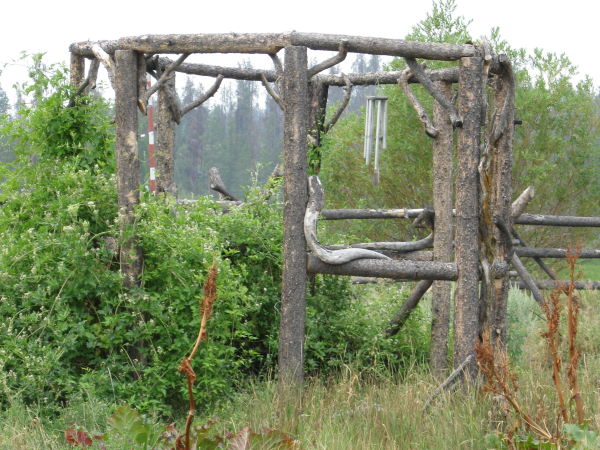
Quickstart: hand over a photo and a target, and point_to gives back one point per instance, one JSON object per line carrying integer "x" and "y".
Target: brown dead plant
{"x": 501, "y": 381}
{"x": 205, "y": 309}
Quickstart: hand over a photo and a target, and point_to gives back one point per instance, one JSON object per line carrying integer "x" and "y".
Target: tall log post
{"x": 466, "y": 317}
{"x": 165, "y": 139}
{"x": 293, "y": 296}
{"x": 77, "y": 70}
{"x": 128, "y": 166}
{"x": 501, "y": 145}
{"x": 443, "y": 180}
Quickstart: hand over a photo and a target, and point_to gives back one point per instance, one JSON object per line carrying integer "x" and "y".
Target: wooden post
{"x": 501, "y": 144}
{"x": 77, "y": 70}
{"x": 165, "y": 138}
{"x": 293, "y": 296}
{"x": 128, "y": 167}
{"x": 443, "y": 184}
{"x": 466, "y": 318}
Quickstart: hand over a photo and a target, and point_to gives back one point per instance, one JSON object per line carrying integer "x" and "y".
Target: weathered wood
{"x": 77, "y": 70}
{"x": 554, "y": 252}
{"x": 128, "y": 167}
{"x": 555, "y": 284}
{"x": 164, "y": 76}
{"x": 382, "y": 46}
{"x": 344, "y": 214}
{"x": 341, "y": 256}
{"x": 539, "y": 261}
{"x": 293, "y": 295}
{"x": 272, "y": 92}
{"x": 399, "y": 246}
{"x": 441, "y": 97}
{"x": 88, "y": 84}
{"x": 341, "y": 107}
{"x": 319, "y": 93}
{"x": 414, "y": 255}
{"x": 106, "y": 61}
{"x": 527, "y": 279}
{"x": 557, "y": 221}
{"x": 334, "y": 60}
{"x": 165, "y": 138}
{"x": 500, "y": 141}
{"x": 443, "y": 188}
{"x": 271, "y": 43}
{"x": 400, "y": 269}
{"x": 408, "y": 306}
{"x": 216, "y": 184}
{"x": 519, "y": 205}
{"x": 377, "y": 78}
{"x": 466, "y": 318}
{"x": 412, "y": 99}
{"x": 203, "y": 98}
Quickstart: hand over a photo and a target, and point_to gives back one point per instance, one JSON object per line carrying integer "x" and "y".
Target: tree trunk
{"x": 293, "y": 296}
{"x": 77, "y": 70}
{"x": 466, "y": 317}
{"x": 443, "y": 180}
{"x": 165, "y": 139}
{"x": 128, "y": 167}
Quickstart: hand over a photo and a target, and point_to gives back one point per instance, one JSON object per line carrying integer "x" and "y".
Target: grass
{"x": 355, "y": 412}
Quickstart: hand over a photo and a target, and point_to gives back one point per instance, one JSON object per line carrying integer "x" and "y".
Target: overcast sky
{"x": 50, "y": 26}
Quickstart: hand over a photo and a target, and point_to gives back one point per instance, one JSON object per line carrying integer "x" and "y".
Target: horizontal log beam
{"x": 341, "y": 214}
{"x": 552, "y": 284}
{"x": 553, "y": 252}
{"x": 409, "y": 270}
{"x": 557, "y": 221}
{"x": 270, "y": 43}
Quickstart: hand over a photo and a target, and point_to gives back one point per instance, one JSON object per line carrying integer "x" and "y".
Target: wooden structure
{"x": 472, "y": 234}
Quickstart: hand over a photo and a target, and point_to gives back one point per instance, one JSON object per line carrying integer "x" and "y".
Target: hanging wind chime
{"x": 376, "y": 118}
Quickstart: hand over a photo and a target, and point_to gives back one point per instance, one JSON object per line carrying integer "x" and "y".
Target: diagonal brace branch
{"x": 419, "y": 73}
{"x": 342, "y": 52}
{"x": 89, "y": 83}
{"x": 163, "y": 78}
{"x": 212, "y": 91}
{"x": 271, "y": 91}
{"x": 106, "y": 61}
{"x": 429, "y": 128}
{"x": 342, "y": 107}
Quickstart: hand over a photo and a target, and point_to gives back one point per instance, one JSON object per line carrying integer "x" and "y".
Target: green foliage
{"x": 555, "y": 150}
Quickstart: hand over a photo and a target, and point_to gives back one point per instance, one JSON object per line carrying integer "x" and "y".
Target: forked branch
{"x": 419, "y": 73}
{"x": 271, "y": 91}
{"x": 89, "y": 83}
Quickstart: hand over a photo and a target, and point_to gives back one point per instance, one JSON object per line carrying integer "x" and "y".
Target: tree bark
{"x": 77, "y": 70}
{"x": 466, "y": 318}
{"x": 293, "y": 296}
{"x": 343, "y": 214}
{"x": 500, "y": 139}
{"x": 165, "y": 140}
{"x": 128, "y": 168}
{"x": 399, "y": 269}
{"x": 557, "y": 221}
{"x": 443, "y": 181}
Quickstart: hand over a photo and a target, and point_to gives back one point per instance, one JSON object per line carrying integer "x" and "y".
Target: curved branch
{"x": 429, "y": 128}
{"x": 419, "y": 73}
{"x": 106, "y": 61}
{"x": 272, "y": 92}
{"x": 409, "y": 246}
{"x": 342, "y": 52}
{"x": 342, "y": 107}
{"x": 212, "y": 91}
{"x": 315, "y": 203}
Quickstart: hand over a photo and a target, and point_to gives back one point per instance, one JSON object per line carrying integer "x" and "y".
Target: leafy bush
{"x": 69, "y": 326}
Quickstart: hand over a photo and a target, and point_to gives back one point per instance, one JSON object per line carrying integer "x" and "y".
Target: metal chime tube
{"x": 377, "y": 142}
{"x": 368, "y": 131}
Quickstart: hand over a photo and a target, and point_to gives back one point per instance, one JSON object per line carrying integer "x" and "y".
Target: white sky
{"x": 50, "y": 26}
